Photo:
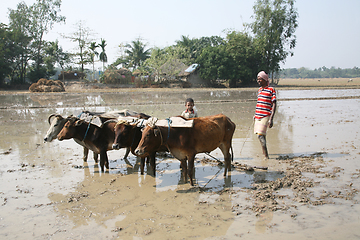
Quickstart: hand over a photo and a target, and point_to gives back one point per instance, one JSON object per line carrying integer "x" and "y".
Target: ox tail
{"x": 232, "y": 154}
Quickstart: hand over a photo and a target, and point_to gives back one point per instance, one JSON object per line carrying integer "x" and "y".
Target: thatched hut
{"x": 170, "y": 70}
{"x": 117, "y": 76}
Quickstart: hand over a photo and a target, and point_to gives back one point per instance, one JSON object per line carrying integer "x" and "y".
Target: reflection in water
{"x": 131, "y": 202}
{"x": 92, "y": 204}
{"x": 27, "y": 126}
{"x": 324, "y": 93}
{"x": 146, "y": 96}
{"x": 127, "y": 97}
{"x": 169, "y": 174}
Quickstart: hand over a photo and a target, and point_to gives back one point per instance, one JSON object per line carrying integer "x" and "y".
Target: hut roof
{"x": 124, "y": 71}
{"x": 186, "y": 72}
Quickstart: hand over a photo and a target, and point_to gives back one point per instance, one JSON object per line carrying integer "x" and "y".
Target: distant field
{"x": 284, "y": 83}
{"x": 320, "y": 82}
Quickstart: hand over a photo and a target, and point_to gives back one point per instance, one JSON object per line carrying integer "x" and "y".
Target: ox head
{"x": 122, "y": 131}
{"x": 151, "y": 140}
{"x": 56, "y": 124}
{"x": 69, "y": 129}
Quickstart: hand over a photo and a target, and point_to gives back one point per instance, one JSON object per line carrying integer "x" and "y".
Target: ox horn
{"x": 122, "y": 122}
{"x": 53, "y": 115}
{"x": 71, "y": 117}
{"x": 79, "y": 122}
{"x": 109, "y": 121}
{"x": 118, "y": 122}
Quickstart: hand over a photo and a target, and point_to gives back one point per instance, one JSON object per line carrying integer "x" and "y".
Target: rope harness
{"x": 87, "y": 130}
{"x": 211, "y": 179}
{"x": 161, "y": 136}
{"x": 141, "y": 124}
{"x": 169, "y": 122}
{"x": 247, "y": 135}
{"x": 213, "y": 157}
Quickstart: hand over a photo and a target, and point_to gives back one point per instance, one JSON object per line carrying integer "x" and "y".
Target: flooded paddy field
{"x": 309, "y": 190}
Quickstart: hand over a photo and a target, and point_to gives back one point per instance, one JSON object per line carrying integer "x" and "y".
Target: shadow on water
{"x": 211, "y": 179}
{"x": 207, "y": 178}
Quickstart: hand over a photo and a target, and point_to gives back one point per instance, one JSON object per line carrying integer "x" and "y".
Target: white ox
{"x": 56, "y": 124}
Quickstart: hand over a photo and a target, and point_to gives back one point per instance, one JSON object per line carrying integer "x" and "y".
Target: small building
{"x": 170, "y": 70}
{"x": 191, "y": 76}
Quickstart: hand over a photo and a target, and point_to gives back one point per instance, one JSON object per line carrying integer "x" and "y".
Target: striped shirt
{"x": 266, "y": 97}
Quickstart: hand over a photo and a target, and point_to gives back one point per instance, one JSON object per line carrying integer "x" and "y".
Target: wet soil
{"x": 307, "y": 189}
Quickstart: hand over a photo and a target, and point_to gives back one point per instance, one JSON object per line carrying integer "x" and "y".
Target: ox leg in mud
{"x": 206, "y": 134}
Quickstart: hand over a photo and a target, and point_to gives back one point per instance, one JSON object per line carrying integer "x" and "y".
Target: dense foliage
{"x": 274, "y": 26}
{"x": 322, "y": 72}
{"x": 236, "y": 58}
{"x": 29, "y": 24}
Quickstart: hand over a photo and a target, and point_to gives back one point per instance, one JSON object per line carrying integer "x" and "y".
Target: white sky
{"x": 328, "y": 33}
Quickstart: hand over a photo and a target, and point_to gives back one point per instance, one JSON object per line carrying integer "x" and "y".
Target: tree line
{"x": 322, "y": 72}
{"x": 263, "y": 45}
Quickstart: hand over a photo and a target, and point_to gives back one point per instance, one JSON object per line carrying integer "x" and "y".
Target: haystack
{"x": 45, "y": 85}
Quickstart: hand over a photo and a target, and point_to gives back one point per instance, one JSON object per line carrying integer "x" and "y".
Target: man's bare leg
{"x": 262, "y": 140}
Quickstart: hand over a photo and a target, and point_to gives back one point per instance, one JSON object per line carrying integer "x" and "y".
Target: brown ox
{"x": 207, "y": 134}
{"x": 129, "y": 135}
{"x": 57, "y": 122}
{"x": 99, "y": 140}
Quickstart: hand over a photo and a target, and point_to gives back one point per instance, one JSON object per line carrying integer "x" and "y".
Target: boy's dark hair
{"x": 190, "y": 100}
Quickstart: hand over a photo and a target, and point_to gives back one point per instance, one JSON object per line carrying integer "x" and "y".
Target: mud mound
{"x": 300, "y": 177}
{"x": 44, "y": 85}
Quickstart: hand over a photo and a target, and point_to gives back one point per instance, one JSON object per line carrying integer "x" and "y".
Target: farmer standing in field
{"x": 265, "y": 109}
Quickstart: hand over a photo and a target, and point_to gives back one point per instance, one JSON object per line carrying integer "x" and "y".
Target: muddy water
{"x": 47, "y": 192}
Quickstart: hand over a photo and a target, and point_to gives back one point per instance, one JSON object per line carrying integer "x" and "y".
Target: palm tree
{"x": 54, "y": 54}
{"x": 185, "y": 42}
{"x": 187, "y": 48}
{"x": 136, "y": 53}
{"x": 93, "y": 53}
{"x": 103, "y": 56}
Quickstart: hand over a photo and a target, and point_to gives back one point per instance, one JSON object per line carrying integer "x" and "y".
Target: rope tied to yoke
{"x": 87, "y": 130}
{"x": 247, "y": 135}
{"x": 169, "y": 122}
{"x": 141, "y": 123}
{"x": 151, "y": 122}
